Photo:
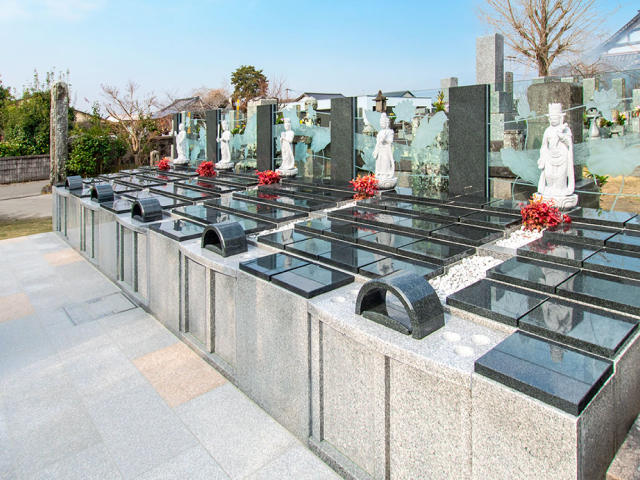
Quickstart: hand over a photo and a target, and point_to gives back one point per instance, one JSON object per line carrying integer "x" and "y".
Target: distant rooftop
{"x": 180, "y": 105}
{"x": 319, "y": 96}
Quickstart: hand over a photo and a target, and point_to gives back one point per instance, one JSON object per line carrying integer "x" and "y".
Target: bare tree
{"x": 212, "y": 97}
{"x": 278, "y": 88}
{"x": 132, "y": 117}
{"x": 543, "y": 31}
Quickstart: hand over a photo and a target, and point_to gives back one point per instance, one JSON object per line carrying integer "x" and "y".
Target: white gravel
{"x": 519, "y": 238}
{"x": 468, "y": 271}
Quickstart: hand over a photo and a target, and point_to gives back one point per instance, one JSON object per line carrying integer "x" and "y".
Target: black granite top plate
{"x": 230, "y": 204}
{"x": 318, "y": 225}
{"x": 552, "y": 373}
{"x": 314, "y": 246}
{"x": 165, "y": 202}
{"x": 390, "y": 265}
{"x": 524, "y": 272}
{"x": 350, "y": 232}
{"x": 350, "y": 257}
{"x": 580, "y": 233}
{"x": 232, "y": 181}
{"x": 387, "y": 240}
{"x": 119, "y": 205}
{"x": 419, "y": 226}
{"x": 138, "y": 181}
{"x": 601, "y": 290}
{"x": 302, "y": 204}
{"x": 626, "y": 240}
{"x": 472, "y": 201}
{"x": 633, "y": 224}
{"x": 467, "y": 234}
{"x": 111, "y": 176}
{"x": 600, "y": 217}
{"x": 179, "y": 230}
{"x": 83, "y": 192}
{"x": 506, "y": 206}
{"x": 195, "y": 184}
{"x": 417, "y": 194}
{"x": 282, "y": 238}
{"x": 312, "y": 280}
{"x": 436, "y": 251}
{"x": 368, "y": 216}
{"x": 177, "y": 191}
{"x": 267, "y": 267}
{"x": 163, "y": 177}
{"x": 615, "y": 262}
{"x": 207, "y": 215}
{"x": 596, "y": 331}
{"x": 445, "y": 213}
{"x": 496, "y": 301}
{"x": 120, "y": 188}
{"x": 566, "y": 253}
{"x": 491, "y": 220}
{"x": 259, "y": 211}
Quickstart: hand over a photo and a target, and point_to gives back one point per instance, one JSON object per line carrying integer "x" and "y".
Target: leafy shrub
{"x": 538, "y": 215}
{"x": 90, "y": 153}
{"x": 12, "y": 149}
{"x": 206, "y": 169}
{"x": 268, "y": 177}
{"x": 365, "y": 187}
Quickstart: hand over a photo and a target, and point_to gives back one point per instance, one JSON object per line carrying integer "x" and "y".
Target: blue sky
{"x": 347, "y": 46}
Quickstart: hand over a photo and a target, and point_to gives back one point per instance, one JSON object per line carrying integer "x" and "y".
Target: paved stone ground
{"x": 23, "y": 200}
{"x": 93, "y": 388}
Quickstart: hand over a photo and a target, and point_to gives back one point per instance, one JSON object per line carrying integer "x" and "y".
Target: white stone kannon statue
{"x": 557, "y": 180}
{"x": 288, "y": 166}
{"x": 225, "y": 162}
{"x": 181, "y": 146}
{"x": 383, "y": 154}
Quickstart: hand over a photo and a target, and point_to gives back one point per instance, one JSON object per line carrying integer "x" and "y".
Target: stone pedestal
{"x": 387, "y": 183}
{"x": 288, "y": 172}
{"x": 224, "y": 166}
{"x": 563, "y": 202}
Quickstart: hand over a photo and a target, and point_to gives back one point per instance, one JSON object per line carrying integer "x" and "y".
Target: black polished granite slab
{"x": 600, "y": 217}
{"x": 85, "y": 191}
{"x": 178, "y": 230}
{"x": 293, "y": 203}
{"x": 350, "y": 232}
{"x": 445, "y": 213}
{"x": 509, "y": 206}
{"x": 177, "y": 191}
{"x": 111, "y": 176}
{"x": 282, "y": 238}
{"x": 565, "y": 253}
{"x": 119, "y": 205}
{"x": 420, "y": 226}
{"x": 491, "y": 220}
{"x": 387, "y": 240}
{"x": 163, "y": 177}
{"x": 467, "y": 234}
{"x": 369, "y": 216}
{"x": 256, "y": 210}
{"x": 601, "y": 290}
{"x": 165, "y": 202}
{"x": 351, "y": 257}
{"x": 389, "y": 265}
{"x": 315, "y": 246}
{"x": 195, "y": 184}
{"x": 267, "y": 267}
{"x": 615, "y": 262}
{"x": 580, "y": 233}
{"x": 312, "y": 280}
{"x": 590, "y": 329}
{"x": 138, "y": 181}
{"x": 119, "y": 188}
{"x": 436, "y": 251}
{"x": 496, "y": 301}
{"x": 633, "y": 224}
{"x": 557, "y": 375}
{"x": 626, "y": 240}
{"x": 417, "y": 194}
{"x": 231, "y": 181}
{"x": 318, "y": 225}
{"x": 472, "y": 201}
{"x": 208, "y": 215}
{"x": 528, "y": 273}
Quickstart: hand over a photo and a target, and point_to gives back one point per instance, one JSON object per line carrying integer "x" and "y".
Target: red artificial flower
{"x": 365, "y": 187}
{"x": 538, "y": 215}
{"x": 206, "y": 169}
{"x": 164, "y": 164}
{"x": 268, "y": 177}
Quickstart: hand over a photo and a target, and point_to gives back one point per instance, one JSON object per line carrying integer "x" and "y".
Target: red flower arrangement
{"x": 365, "y": 187}
{"x": 268, "y": 177}
{"x": 206, "y": 169}
{"x": 164, "y": 164}
{"x": 538, "y": 215}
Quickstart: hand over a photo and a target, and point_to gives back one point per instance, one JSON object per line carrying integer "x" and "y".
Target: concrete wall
{"x": 24, "y": 169}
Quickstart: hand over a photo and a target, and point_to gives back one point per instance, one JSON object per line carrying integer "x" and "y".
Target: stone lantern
{"x": 381, "y": 102}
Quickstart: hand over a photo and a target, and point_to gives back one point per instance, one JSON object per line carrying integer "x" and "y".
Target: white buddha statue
{"x": 181, "y": 146}
{"x": 225, "y": 162}
{"x": 288, "y": 166}
{"x": 383, "y": 154}
{"x": 557, "y": 180}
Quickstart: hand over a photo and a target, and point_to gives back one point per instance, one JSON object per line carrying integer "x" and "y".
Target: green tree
{"x": 248, "y": 83}
{"x": 5, "y": 97}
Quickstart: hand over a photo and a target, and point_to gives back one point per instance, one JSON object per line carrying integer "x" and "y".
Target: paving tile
{"x": 296, "y": 464}
{"x": 140, "y": 430}
{"x": 178, "y": 374}
{"x": 23, "y": 333}
{"x": 14, "y": 306}
{"x": 83, "y": 281}
{"x": 46, "y": 428}
{"x": 71, "y": 340}
{"x": 96, "y": 308}
{"x": 241, "y": 437}
{"x": 193, "y": 464}
{"x": 137, "y": 333}
{"x": 103, "y": 374}
{"x": 6, "y": 464}
{"x": 62, "y": 257}
{"x": 94, "y": 463}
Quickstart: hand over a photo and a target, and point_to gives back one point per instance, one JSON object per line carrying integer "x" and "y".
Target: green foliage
{"x": 248, "y": 83}
{"x": 439, "y": 103}
{"x": 10, "y": 149}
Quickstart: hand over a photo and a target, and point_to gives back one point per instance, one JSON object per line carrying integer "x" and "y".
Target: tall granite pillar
{"x": 620, "y": 87}
{"x": 342, "y": 139}
{"x": 490, "y": 61}
{"x": 175, "y": 127}
{"x": 59, "y": 132}
{"x": 589, "y": 85}
{"x": 468, "y": 139}
{"x": 264, "y": 134}
{"x": 213, "y": 119}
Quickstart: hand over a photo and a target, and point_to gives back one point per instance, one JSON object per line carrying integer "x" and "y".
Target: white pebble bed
{"x": 519, "y": 238}
{"x": 463, "y": 274}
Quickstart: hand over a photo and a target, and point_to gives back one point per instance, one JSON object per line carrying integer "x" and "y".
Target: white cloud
{"x": 69, "y": 10}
